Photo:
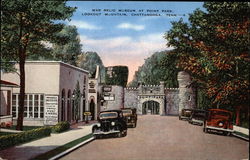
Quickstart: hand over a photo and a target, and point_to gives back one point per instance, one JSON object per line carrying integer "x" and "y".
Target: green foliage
{"x": 68, "y": 53}
{"x": 214, "y": 49}
{"x": 22, "y": 137}
{"x": 60, "y": 149}
{"x": 89, "y": 61}
{"x": 117, "y": 75}
{"x": 61, "y": 127}
{"x": 77, "y": 101}
{"x": 161, "y": 66}
{"x": 26, "y": 23}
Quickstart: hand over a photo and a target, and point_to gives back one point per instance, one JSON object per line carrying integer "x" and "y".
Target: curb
{"x": 236, "y": 135}
{"x": 72, "y": 148}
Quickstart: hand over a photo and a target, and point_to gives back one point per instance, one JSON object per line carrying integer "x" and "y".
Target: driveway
{"x": 164, "y": 138}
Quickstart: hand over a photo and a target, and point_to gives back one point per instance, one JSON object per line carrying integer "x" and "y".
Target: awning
{"x": 8, "y": 84}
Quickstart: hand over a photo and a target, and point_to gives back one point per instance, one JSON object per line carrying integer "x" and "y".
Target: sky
{"x": 127, "y": 32}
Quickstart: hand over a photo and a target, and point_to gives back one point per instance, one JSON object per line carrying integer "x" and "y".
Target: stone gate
{"x": 169, "y": 100}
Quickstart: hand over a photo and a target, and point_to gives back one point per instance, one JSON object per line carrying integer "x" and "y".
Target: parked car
{"x": 185, "y": 114}
{"x": 219, "y": 120}
{"x": 111, "y": 122}
{"x": 130, "y": 116}
{"x": 198, "y": 116}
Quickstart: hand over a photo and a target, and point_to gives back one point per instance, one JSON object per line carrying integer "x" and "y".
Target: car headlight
{"x": 98, "y": 125}
{"x": 112, "y": 123}
{"x": 220, "y": 124}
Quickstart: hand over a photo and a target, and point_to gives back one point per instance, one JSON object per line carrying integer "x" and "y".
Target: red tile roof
{"x": 8, "y": 84}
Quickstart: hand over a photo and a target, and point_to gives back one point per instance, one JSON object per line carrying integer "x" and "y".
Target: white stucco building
{"x": 50, "y": 88}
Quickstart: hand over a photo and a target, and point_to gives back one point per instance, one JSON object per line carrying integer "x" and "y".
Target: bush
{"x": 22, "y": 137}
{"x": 61, "y": 126}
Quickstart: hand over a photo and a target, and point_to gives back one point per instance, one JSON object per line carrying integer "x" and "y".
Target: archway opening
{"x": 63, "y": 106}
{"x": 69, "y": 106}
{"x": 151, "y": 107}
{"x": 92, "y": 109}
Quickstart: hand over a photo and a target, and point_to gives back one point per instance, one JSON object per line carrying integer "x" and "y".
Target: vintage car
{"x": 219, "y": 120}
{"x": 198, "y": 116}
{"x": 130, "y": 116}
{"x": 111, "y": 122}
{"x": 185, "y": 114}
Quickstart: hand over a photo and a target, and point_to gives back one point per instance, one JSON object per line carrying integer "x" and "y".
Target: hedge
{"x": 61, "y": 127}
{"x": 22, "y": 137}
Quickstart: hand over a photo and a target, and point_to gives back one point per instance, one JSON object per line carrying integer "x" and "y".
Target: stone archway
{"x": 92, "y": 108}
{"x": 157, "y": 100}
{"x": 151, "y": 107}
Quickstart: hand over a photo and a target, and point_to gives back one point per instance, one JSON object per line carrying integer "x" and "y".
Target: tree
{"x": 214, "y": 49}
{"x": 116, "y": 75}
{"x": 88, "y": 61}
{"x": 77, "y": 101}
{"x": 25, "y": 23}
{"x": 68, "y": 53}
{"x": 161, "y": 66}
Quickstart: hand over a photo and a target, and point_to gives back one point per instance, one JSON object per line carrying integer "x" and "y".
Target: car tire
{"x": 205, "y": 130}
{"x": 119, "y": 135}
{"x": 225, "y": 133}
{"x": 124, "y": 133}
{"x": 134, "y": 125}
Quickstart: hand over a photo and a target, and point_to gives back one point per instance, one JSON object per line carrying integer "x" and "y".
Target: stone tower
{"x": 186, "y": 93}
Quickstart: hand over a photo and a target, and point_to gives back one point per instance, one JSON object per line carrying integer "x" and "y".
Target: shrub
{"x": 61, "y": 126}
{"x": 22, "y": 137}
{"x": 6, "y": 124}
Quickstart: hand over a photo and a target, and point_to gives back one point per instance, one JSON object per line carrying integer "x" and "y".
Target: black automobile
{"x": 111, "y": 122}
{"x": 130, "y": 116}
{"x": 185, "y": 114}
{"x": 198, "y": 116}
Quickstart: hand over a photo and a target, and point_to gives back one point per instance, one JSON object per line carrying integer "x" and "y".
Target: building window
{"x": 33, "y": 105}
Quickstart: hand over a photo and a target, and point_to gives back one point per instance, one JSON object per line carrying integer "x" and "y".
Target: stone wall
{"x": 186, "y": 93}
{"x": 117, "y": 103}
{"x": 131, "y": 97}
{"x": 172, "y": 101}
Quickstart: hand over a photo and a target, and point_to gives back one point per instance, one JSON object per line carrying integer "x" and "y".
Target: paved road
{"x": 164, "y": 138}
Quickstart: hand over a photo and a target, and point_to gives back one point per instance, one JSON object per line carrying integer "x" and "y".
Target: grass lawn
{"x": 61, "y": 149}
{"x": 241, "y": 134}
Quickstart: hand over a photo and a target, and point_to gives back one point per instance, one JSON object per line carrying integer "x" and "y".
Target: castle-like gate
{"x": 156, "y": 99}
{"x": 151, "y": 99}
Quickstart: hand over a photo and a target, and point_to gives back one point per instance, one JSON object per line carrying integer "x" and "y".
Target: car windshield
{"x": 127, "y": 112}
{"x": 220, "y": 113}
{"x": 107, "y": 115}
{"x": 197, "y": 113}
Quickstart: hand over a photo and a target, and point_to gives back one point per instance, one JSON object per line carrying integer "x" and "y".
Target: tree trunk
{"x": 238, "y": 115}
{"x": 22, "y": 90}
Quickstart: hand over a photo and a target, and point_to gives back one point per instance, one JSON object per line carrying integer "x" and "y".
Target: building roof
{"x": 58, "y": 62}
{"x": 8, "y": 84}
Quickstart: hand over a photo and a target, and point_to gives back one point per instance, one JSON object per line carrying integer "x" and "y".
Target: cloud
{"x": 84, "y": 25}
{"x": 124, "y": 50}
{"x": 131, "y": 26}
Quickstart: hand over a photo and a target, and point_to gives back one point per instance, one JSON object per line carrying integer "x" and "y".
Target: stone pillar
{"x": 186, "y": 93}
{"x": 162, "y": 86}
{"x": 139, "y": 107}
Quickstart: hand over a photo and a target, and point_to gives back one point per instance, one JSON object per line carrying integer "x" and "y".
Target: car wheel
{"x": 226, "y": 133}
{"x": 124, "y": 133}
{"x": 205, "y": 130}
{"x": 119, "y": 135}
{"x": 134, "y": 125}
{"x": 94, "y": 129}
